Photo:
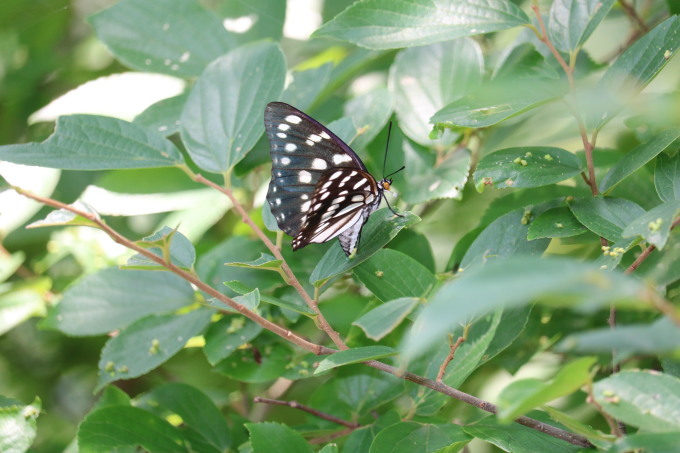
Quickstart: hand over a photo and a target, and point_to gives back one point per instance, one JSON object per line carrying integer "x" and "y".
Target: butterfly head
{"x": 386, "y": 183}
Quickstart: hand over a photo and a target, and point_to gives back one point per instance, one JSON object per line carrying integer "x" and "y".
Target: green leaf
{"x": 298, "y": 308}
{"x": 112, "y": 396}
{"x": 89, "y": 142}
{"x": 654, "y": 226}
{"x": 16, "y": 306}
{"x": 329, "y": 448}
{"x": 370, "y": 113}
{"x": 390, "y": 274}
{"x": 667, "y": 177}
{"x": 380, "y": 24}
{"x": 504, "y": 237}
{"x": 516, "y": 282}
{"x": 425, "y": 79}
{"x": 265, "y": 262}
{"x": 646, "y": 399}
{"x": 527, "y": 166}
{"x": 18, "y": 425}
{"x": 276, "y": 438}
{"x": 555, "y": 223}
{"x": 112, "y": 299}
{"x": 169, "y": 244}
{"x": 406, "y": 437}
{"x": 196, "y": 410}
{"x": 605, "y": 216}
{"x": 516, "y": 438}
{"x": 576, "y": 426}
{"x": 523, "y": 395}
{"x": 162, "y": 36}
{"x": 631, "y": 72}
{"x": 306, "y": 86}
{"x": 222, "y": 119}
{"x": 264, "y": 19}
{"x": 430, "y": 180}
{"x": 354, "y": 355}
{"x": 381, "y": 227}
{"x": 660, "y": 337}
{"x": 499, "y": 100}
{"x": 112, "y": 427}
{"x": 227, "y": 335}
{"x": 648, "y": 442}
{"x": 257, "y": 364}
{"x": 163, "y": 116}
{"x": 148, "y": 343}
{"x": 573, "y": 21}
{"x": 386, "y": 317}
{"x": 416, "y": 245}
{"x": 62, "y": 217}
{"x": 637, "y": 157}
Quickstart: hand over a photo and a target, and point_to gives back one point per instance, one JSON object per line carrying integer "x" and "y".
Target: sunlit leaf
{"x": 573, "y": 21}
{"x": 386, "y": 317}
{"x": 605, "y": 216}
{"x": 354, "y": 355}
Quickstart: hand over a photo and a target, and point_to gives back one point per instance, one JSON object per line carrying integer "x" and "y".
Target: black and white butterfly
{"x": 320, "y": 189}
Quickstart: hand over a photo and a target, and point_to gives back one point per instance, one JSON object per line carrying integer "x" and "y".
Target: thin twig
{"x": 291, "y": 278}
{"x": 451, "y": 354}
{"x": 633, "y": 15}
{"x": 614, "y": 426}
{"x": 295, "y": 405}
{"x": 648, "y": 251}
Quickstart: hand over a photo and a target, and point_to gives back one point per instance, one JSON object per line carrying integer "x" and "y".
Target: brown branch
{"x": 295, "y": 405}
{"x": 543, "y": 37}
{"x": 299, "y": 341}
{"x": 648, "y": 251}
{"x": 451, "y": 354}
{"x": 290, "y": 276}
{"x": 633, "y": 15}
{"x": 188, "y": 276}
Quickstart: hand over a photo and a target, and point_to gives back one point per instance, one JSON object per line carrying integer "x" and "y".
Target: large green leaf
{"x": 390, "y": 274}
{"x": 384, "y": 24}
{"x": 527, "y": 166}
{"x": 648, "y": 442}
{"x": 425, "y": 79}
{"x": 637, "y": 157}
{"x": 306, "y": 86}
{"x": 176, "y": 38}
{"x": 196, "y": 410}
{"x": 631, "y": 72}
{"x": 276, "y": 438}
{"x": 660, "y": 337}
{"x": 605, "y": 216}
{"x": 646, "y": 399}
{"x": 148, "y": 343}
{"x": 18, "y": 425}
{"x": 573, "y": 21}
{"x": 113, "y": 427}
{"x": 381, "y": 227}
{"x": 523, "y": 395}
{"x": 654, "y": 226}
{"x": 163, "y": 116}
{"x": 514, "y": 282}
{"x": 89, "y": 142}
{"x": 429, "y": 179}
{"x": 370, "y": 113}
{"x": 386, "y": 317}
{"x": 408, "y": 436}
{"x": 555, "y": 223}
{"x": 112, "y": 299}
{"x": 516, "y": 438}
{"x": 499, "y": 100}
{"x": 667, "y": 177}
{"x": 222, "y": 119}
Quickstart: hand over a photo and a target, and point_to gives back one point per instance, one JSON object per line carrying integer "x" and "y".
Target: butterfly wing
{"x": 340, "y": 205}
{"x": 302, "y": 151}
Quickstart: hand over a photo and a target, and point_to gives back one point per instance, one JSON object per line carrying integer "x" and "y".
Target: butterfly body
{"x": 320, "y": 189}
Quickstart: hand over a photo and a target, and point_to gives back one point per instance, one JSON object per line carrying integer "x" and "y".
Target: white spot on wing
{"x": 319, "y": 164}
{"x": 305, "y": 176}
{"x": 356, "y": 198}
{"x": 347, "y": 209}
{"x": 309, "y": 142}
{"x": 290, "y": 147}
{"x": 285, "y": 161}
{"x": 284, "y": 127}
{"x": 325, "y": 135}
{"x": 340, "y": 158}
{"x": 360, "y": 183}
{"x": 325, "y": 195}
{"x": 278, "y": 202}
{"x": 281, "y": 135}
{"x": 315, "y": 138}
{"x": 335, "y": 175}
{"x": 304, "y": 196}
{"x": 305, "y": 206}
{"x": 293, "y": 119}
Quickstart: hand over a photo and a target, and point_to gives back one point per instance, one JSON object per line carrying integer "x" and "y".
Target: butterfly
{"x": 320, "y": 189}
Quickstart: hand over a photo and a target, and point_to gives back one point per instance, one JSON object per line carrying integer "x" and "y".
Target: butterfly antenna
{"x": 390, "y": 207}
{"x": 387, "y": 146}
